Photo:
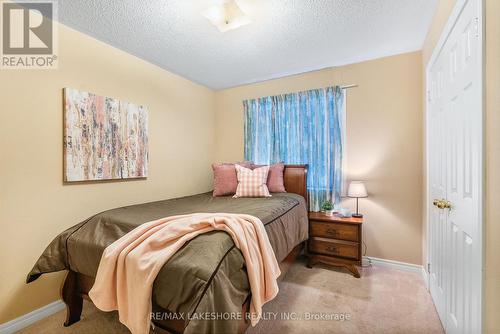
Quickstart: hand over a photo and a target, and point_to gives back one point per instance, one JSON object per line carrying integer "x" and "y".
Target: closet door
{"x": 437, "y": 182}
{"x": 455, "y": 173}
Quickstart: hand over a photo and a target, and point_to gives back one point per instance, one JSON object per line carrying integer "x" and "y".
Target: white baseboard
{"x": 398, "y": 265}
{"x": 32, "y": 317}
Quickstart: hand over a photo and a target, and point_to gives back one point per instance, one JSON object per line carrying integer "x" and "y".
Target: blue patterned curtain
{"x": 300, "y": 128}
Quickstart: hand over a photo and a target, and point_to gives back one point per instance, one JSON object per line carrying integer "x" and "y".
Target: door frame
{"x": 450, "y": 24}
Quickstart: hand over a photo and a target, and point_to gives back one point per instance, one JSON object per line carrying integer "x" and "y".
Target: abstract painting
{"x": 104, "y": 138}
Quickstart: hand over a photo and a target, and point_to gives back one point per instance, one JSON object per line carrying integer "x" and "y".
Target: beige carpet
{"x": 382, "y": 301}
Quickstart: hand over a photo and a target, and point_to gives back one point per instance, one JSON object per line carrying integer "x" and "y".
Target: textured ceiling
{"x": 286, "y": 36}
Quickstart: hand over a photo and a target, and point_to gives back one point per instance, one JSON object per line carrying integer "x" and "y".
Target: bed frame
{"x": 76, "y": 286}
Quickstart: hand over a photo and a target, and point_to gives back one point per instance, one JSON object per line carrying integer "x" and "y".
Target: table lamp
{"x": 357, "y": 190}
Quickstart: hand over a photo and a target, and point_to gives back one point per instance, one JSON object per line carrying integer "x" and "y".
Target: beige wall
{"x": 35, "y": 205}
{"x": 492, "y": 139}
{"x": 492, "y": 228}
{"x": 384, "y": 142}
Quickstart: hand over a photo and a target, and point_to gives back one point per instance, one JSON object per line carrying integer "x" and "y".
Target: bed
{"x": 204, "y": 287}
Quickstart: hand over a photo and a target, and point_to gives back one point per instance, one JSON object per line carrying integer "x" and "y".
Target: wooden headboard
{"x": 295, "y": 178}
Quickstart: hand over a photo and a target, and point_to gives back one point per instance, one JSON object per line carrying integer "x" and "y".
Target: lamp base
{"x": 357, "y": 215}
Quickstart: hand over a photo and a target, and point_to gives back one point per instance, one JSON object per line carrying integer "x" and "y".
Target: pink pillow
{"x": 252, "y": 183}
{"x": 275, "y": 179}
{"x": 225, "y": 179}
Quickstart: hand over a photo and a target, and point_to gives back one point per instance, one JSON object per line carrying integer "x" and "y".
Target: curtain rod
{"x": 349, "y": 86}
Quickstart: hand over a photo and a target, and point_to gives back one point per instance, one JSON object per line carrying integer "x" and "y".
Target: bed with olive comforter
{"x": 204, "y": 278}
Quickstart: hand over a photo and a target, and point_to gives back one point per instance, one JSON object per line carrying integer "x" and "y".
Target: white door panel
{"x": 438, "y": 188}
{"x": 454, "y": 110}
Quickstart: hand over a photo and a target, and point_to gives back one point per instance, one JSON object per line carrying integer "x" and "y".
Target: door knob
{"x": 447, "y": 204}
{"x": 442, "y": 204}
{"x": 438, "y": 203}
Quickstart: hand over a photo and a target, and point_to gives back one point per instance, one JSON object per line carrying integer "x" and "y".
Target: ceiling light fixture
{"x": 226, "y": 16}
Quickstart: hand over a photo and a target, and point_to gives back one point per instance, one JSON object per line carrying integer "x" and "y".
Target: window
{"x": 300, "y": 128}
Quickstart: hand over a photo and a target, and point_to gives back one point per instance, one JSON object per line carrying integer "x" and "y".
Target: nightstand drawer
{"x": 334, "y": 230}
{"x": 330, "y": 247}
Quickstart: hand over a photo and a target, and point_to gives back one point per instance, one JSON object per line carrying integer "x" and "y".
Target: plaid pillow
{"x": 252, "y": 183}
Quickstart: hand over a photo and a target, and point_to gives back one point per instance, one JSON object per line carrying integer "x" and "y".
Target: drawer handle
{"x": 331, "y": 231}
{"x": 332, "y": 249}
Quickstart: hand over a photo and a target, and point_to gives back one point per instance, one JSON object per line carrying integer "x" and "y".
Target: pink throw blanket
{"x": 129, "y": 265}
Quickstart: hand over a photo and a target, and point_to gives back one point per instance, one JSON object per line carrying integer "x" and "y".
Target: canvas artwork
{"x": 104, "y": 138}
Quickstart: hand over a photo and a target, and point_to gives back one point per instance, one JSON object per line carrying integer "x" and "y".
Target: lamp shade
{"x": 357, "y": 189}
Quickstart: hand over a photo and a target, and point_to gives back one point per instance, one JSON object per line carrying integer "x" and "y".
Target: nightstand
{"x": 335, "y": 241}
